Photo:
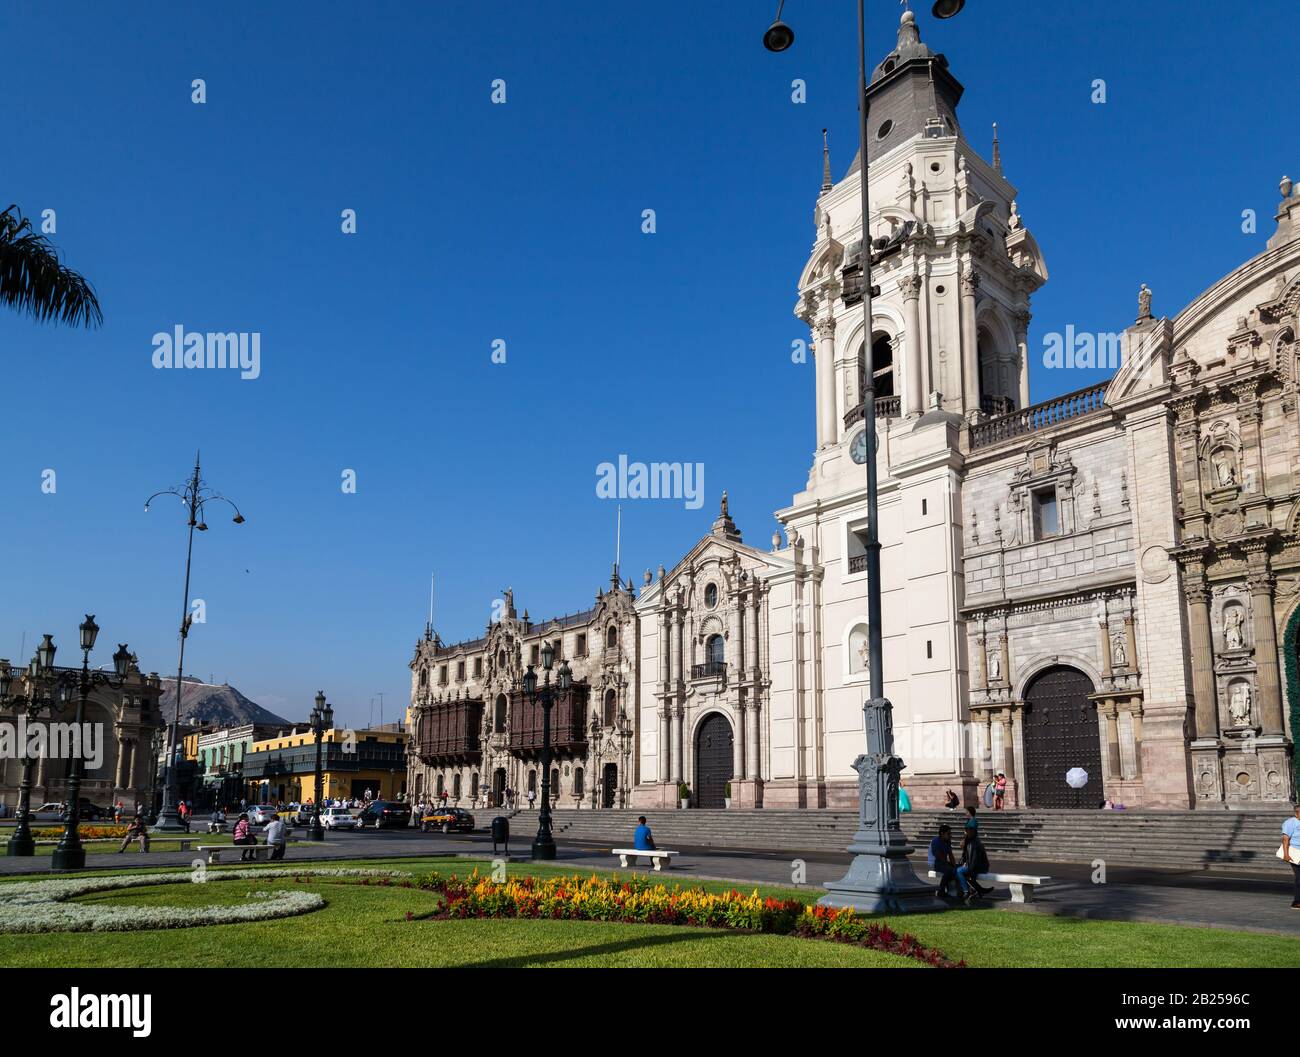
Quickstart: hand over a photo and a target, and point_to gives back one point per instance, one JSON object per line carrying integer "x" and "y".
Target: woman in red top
{"x": 243, "y": 834}
{"x": 999, "y": 791}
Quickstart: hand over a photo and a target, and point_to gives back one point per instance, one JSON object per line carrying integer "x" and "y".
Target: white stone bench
{"x": 658, "y": 857}
{"x": 1022, "y": 885}
{"x": 260, "y": 851}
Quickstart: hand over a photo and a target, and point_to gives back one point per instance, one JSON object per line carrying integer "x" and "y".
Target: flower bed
{"x": 85, "y": 832}
{"x": 41, "y": 906}
{"x": 639, "y": 901}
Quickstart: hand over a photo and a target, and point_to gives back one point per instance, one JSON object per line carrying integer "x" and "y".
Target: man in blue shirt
{"x": 643, "y": 840}
{"x": 1291, "y": 850}
{"x": 941, "y": 860}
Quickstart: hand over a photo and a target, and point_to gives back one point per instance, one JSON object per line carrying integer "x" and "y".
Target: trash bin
{"x": 500, "y": 832}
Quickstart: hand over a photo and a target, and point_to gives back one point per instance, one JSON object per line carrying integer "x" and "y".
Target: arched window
{"x": 577, "y": 781}
{"x": 611, "y": 636}
{"x": 611, "y": 706}
{"x": 455, "y": 785}
{"x": 532, "y": 782}
{"x": 714, "y": 651}
{"x": 555, "y": 781}
{"x": 499, "y": 715}
{"x": 711, "y": 596}
{"x": 882, "y": 366}
{"x": 473, "y": 785}
{"x": 442, "y": 779}
{"x": 501, "y": 659}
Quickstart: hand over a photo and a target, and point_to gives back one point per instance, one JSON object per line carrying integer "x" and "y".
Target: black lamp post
{"x": 544, "y": 842}
{"x": 195, "y": 494}
{"x": 28, "y": 706}
{"x": 880, "y": 877}
{"x": 157, "y": 742}
{"x": 322, "y": 719}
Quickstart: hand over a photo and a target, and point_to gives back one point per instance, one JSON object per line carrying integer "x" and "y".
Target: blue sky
{"x": 519, "y": 222}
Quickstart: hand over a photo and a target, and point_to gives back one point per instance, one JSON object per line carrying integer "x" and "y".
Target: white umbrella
{"x": 1076, "y": 778}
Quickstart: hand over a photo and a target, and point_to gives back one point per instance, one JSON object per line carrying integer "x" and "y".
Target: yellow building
{"x": 353, "y": 763}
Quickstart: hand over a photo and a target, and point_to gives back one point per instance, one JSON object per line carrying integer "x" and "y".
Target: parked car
{"x": 447, "y": 819}
{"x": 305, "y": 813}
{"x": 384, "y": 813}
{"x": 261, "y": 814}
{"x": 338, "y": 818}
{"x": 92, "y": 813}
{"x": 47, "y": 813}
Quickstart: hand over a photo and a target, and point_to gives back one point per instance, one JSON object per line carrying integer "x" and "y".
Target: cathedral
{"x": 1105, "y": 584}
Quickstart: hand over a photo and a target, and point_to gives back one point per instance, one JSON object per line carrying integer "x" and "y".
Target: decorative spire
{"x": 997, "y": 151}
{"x": 723, "y": 526}
{"x": 827, "y": 182}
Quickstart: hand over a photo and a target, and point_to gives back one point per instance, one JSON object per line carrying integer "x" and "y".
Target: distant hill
{"x": 217, "y": 705}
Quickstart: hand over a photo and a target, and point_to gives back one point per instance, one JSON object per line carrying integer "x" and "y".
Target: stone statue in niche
{"x": 864, "y": 655}
{"x": 1239, "y": 705}
{"x": 1119, "y": 651}
{"x": 1224, "y": 461}
{"x": 1234, "y": 628}
{"x": 995, "y": 663}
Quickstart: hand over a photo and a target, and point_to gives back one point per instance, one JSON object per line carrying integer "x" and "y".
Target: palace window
{"x": 582, "y": 645}
{"x": 455, "y": 785}
{"x": 1047, "y": 516}
{"x": 499, "y": 715}
{"x": 577, "y": 781}
{"x": 442, "y": 676}
{"x": 424, "y": 677}
{"x": 611, "y": 705}
{"x": 478, "y": 667}
{"x": 460, "y": 671}
{"x": 711, "y": 595}
{"x": 611, "y": 636}
{"x": 535, "y": 656}
{"x": 714, "y": 653}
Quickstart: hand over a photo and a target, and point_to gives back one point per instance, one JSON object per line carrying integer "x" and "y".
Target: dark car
{"x": 88, "y": 812}
{"x": 384, "y": 813}
{"x": 447, "y": 819}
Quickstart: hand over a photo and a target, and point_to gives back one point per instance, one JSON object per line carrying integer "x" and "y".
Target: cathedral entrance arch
{"x": 714, "y": 760}
{"x": 1060, "y": 733}
{"x": 499, "y": 787}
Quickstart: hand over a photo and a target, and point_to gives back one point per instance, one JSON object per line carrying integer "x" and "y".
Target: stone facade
{"x": 127, "y": 717}
{"x": 475, "y": 734}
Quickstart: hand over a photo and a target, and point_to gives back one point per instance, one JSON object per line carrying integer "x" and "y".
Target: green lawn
{"x": 366, "y": 926}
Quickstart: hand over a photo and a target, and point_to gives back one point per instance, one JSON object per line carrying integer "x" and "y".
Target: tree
{"x": 33, "y": 280}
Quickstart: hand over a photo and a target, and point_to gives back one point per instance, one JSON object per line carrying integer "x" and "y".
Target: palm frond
{"x": 33, "y": 279}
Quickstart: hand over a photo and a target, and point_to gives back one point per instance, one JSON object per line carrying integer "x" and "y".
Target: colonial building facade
{"x": 1107, "y": 582}
{"x": 126, "y": 719}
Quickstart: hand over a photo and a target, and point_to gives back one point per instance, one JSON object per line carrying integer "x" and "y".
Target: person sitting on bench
{"x": 941, "y": 860}
{"x": 974, "y": 861}
{"x": 643, "y": 840}
{"x": 276, "y": 837}
{"x": 136, "y": 831}
{"x": 243, "y": 834}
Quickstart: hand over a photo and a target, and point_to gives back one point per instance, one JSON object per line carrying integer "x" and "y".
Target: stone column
{"x": 824, "y": 334}
{"x": 677, "y": 743}
{"x": 1111, "y": 713}
{"x": 119, "y": 776}
{"x": 1260, "y": 581}
{"x": 1203, "y": 692}
{"x": 970, "y": 360}
{"x": 914, "y": 404}
{"x": 738, "y": 744}
{"x": 1022, "y": 318}
{"x": 1107, "y": 661}
{"x": 1135, "y": 717}
{"x": 756, "y": 660}
{"x": 1008, "y": 745}
{"x": 751, "y": 742}
{"x": 665, "y": 647}
{"x": 677, "y": 645}
{"x": 1130, "y": 638}
{"x": 665, "y": 744}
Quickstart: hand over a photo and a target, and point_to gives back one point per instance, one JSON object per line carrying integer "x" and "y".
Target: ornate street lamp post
{"x": 195, "y": 494}
{"x": 157, "y": 742}
{"x": 29, "y": 707}
{"x": 322, "y": 719}
{"x": 880, "y": 877}
{"x": 69, "y": 854}
{"x": 544, "y": 842}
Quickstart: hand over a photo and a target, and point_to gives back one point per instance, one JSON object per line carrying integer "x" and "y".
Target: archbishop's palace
{"x": 1108, "y": 580}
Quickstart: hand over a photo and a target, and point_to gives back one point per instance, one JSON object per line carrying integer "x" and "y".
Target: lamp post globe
{"x": 947, "y": 8}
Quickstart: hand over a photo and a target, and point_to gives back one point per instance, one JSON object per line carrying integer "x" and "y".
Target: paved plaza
{"x": 1245, "y": 900}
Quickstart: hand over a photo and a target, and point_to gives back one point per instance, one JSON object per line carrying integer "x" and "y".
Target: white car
{"x": 261, "y": 814}
{"x": 338, "y": 818}
{"x": 47, "y": 813}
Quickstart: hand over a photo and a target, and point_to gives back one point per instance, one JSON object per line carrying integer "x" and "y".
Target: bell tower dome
{"x": 952, "y": 260}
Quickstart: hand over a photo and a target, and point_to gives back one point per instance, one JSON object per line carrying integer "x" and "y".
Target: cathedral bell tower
{"x": 953, "y": 261}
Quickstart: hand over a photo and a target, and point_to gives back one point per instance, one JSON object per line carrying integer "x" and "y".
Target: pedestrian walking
{"x": 532, "y": 795}
{"x": 1290, "y": 850}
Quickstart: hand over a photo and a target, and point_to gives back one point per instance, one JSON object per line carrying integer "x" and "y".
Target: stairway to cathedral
{"x": 1190, "y": 840}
